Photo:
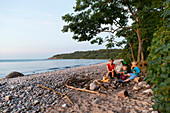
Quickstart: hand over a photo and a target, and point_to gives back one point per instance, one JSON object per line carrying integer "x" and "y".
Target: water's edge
{"x": 36, "y": 66}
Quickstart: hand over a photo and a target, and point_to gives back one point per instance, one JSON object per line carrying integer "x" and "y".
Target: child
{"x": 111, "y": 69}
{"x": 123, "y": 74}
{"x": 135, "y": 73}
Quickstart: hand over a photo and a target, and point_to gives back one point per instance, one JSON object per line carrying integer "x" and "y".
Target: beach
{"x": 24, "y": 94}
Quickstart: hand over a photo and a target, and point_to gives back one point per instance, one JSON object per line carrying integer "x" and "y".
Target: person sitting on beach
{"x": 111, "y": 69}
{"x": 135, "y": 73}
{"x": 123, "y": 74}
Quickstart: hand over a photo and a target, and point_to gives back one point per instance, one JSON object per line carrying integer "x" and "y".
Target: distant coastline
{"x": 95, "y": 54}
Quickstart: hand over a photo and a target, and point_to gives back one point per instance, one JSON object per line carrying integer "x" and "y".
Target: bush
{"x": 159, "y": 68}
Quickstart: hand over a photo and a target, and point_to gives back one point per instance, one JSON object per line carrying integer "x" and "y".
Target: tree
{"x": 159, "y": 63}
{"x": 92, "y": 17}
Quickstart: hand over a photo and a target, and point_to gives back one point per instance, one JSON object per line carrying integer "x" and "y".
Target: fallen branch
{"x": 67, "y": 80}
{"x": 79, "y": 89}
{"x": 57, "y": 92}
{"x": 100, "y": 84}
{"x": 81, "y": 80}
{"x": 82, "y": 84}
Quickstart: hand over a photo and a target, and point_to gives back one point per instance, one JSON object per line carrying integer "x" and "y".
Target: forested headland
{"x": 95, "y": 54}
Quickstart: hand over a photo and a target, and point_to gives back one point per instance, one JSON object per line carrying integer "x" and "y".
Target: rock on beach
{"x": 14, "y": 74}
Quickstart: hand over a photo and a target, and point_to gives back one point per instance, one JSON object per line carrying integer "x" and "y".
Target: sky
{"x": 31, "y": 29}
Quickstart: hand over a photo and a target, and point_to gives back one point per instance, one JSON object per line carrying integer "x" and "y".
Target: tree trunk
{"x": 132, "y": 51}
{"x": 139, "y": 36}
{"x": 142, "y": 54}
{"x": 140, "y": 44}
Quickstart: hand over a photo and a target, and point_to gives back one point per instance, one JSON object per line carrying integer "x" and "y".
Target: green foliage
{"x": 126, "y": 55}
{"x": 159, "y": 67}
{"x": 92, "y": 17}
{"x": 98, "y": 54}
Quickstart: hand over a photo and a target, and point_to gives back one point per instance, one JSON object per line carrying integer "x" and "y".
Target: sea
{"x": 34, "y": 66}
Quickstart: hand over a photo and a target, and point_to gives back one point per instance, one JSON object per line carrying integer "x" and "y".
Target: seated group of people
{"x": 124, "y": 76}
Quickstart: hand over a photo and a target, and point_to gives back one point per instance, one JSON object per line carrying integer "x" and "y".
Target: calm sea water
{"x": 38, "y": 65}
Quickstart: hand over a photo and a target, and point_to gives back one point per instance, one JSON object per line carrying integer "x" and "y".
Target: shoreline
{"x": 23, "y": 94}
{"x": 55, "y": 71}
{"x": 25, "y": 91}
{"x": 50, "y": 67}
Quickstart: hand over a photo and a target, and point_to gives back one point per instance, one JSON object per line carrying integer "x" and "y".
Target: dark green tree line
{"x": 95, "y": 54}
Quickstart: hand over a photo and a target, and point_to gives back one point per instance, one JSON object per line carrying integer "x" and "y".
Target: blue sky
{"x": 32, "y": 29}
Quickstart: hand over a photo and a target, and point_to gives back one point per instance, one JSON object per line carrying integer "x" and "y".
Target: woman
{"x": 111, "y": 69}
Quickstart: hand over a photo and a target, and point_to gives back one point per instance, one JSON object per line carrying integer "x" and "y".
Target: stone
{"x": 144, "y": 83}
{"x": 93, "y": 86}
{"x": 132, "y": 111}
{"x": 123, "y": 93}
{"x": 87, "y": 74}
{"x": 35, "y": 102}
{"x": 136, "y": 88}
{"x": 60, "y": 109}
{"x": 28, "y": 108}
{"x": 113, "y": 86}
{"x": 110, "y": 111}
{"x": 64, "y": 105}
{"x": 14, "y": 74}
{"x": 12, "y": 87}
{"x": 29, "y": 88}
{"x": 150, "y": 109}
{"x": 7, "y": 98}
{"x": 145, "y": 111}
{"x": 97, "y": 100}
{"x": 147, "y": 86}
{"x": 140, "y": 83}
{"x": 154, "y": 112}
{"x": 148, "y": 92}
{"x": 6, "y": 110}
{"x": 119, "y": 66}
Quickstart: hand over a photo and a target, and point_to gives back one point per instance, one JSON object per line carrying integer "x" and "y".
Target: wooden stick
{"x": 100, "y": 84}
{"x": 57, "y": 92}
{"x": 82, "y": 84}
{"x": 79, "y": 89}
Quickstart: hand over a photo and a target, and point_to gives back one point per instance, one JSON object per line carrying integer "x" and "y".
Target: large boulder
{"x": 93, "y": 86}
{"x": 119, "y": 67}
{"x": 14, "y": 74}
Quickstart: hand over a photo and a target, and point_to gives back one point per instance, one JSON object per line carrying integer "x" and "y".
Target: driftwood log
{"x": 79, "y": 89}
{"x": 66, "y": 81}
{"x": 57, "y": 92}
{"x": 74, "y": 81}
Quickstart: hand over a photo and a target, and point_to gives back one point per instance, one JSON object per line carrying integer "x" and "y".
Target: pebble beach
{"x": 24, "y": 95}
